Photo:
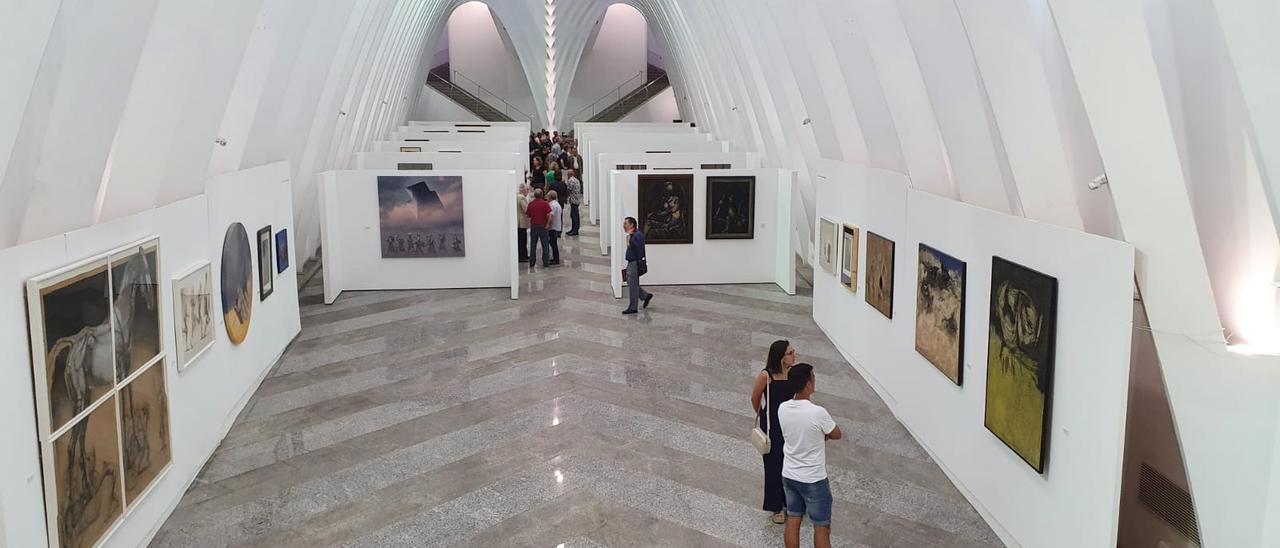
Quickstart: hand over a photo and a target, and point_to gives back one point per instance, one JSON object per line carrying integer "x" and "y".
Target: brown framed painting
{"x": 731, "y": 208}
{"x": 665, "y": 208}
{"x": 879, "y": 283}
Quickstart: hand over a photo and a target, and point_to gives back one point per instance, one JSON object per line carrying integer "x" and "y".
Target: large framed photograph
{"x": 236, "y": 283}
{"x": 940, "y": 280}
{"x": 193, "y": 313}
{"x": 1020, "y": 359}
{"x": 731, "y": 208}
{"x": 880, "y": 273}
{"x": 421, "y": 217}
{"x": 827, "y": 251}
{"x": 266, "y": 272}
{"x": 665, "y": 208}
{"x": 96, "y": 341}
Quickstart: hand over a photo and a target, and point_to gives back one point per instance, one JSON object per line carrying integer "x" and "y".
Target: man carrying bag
{"x": 636, "y": 266}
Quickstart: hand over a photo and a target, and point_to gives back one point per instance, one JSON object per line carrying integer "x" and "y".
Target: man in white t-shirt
{"x": 806, "y": 428}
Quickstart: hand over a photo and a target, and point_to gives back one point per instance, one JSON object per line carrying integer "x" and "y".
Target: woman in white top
{"x": 557, "y": 226}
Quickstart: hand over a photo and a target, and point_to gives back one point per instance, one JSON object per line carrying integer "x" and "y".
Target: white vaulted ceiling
{"x": 111, "y": 108}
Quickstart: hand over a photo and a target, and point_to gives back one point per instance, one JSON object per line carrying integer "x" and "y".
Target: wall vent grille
{"x": 631, "y": 167}
{"x": 1168, "y": 502}
{"x": 414, "y": 167}
{"x": 717, "y": 166}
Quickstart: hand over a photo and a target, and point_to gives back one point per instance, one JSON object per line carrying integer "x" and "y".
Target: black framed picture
{"x": 266, "y": 273}
{"x": 666, "y": 208}
{"x": 731, "y": 208}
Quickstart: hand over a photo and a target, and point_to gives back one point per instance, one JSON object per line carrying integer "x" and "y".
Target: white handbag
{"x": 760, "y": 438}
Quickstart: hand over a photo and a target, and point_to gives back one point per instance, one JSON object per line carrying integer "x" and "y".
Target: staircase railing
{"x": 455, "y": 80}
{"x": 664, "y": 80}
{"x": 615, "y": 94}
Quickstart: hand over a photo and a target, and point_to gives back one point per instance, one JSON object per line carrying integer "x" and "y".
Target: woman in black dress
{"x": 774, "y": 377}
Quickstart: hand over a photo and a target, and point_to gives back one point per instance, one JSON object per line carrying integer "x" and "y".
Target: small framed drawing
{"x": 410, "y": 149}
{"x": 282, "y": 250}
{"x": 193, "y": 313}
{"x": 266, "y": 277}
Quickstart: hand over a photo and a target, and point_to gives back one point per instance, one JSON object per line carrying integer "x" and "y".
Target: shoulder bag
{"x": 760, "y": 438}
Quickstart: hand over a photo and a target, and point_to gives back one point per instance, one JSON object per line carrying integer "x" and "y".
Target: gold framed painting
{"x": 849, "y": 244}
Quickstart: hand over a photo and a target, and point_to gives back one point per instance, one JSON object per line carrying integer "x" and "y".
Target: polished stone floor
{"x": 463, "y": 418}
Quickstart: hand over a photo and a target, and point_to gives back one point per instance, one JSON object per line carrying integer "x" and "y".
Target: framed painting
{"x": 193, "y": 313}
{"x": 282, "y": 250}
{"x": 1020, "y": 348}
{"x": 410, "y": 149}
{"x": 849, "y": 237}
{"x": 880, "y": 273}
{"x": 266, "y": 274}
{"x": 144, "y": 431}
{"x": 665, "y": 208}
{"x": 940, "y": 281}
{"x": 827, "y": 252}
{"x": 236, "y": 283}
{"x": 731, "y": 208}
{"x": 95, "y": 331}
{"x": 421, "y": 217}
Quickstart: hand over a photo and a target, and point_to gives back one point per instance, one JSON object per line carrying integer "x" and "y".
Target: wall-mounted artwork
{"x": 731, "y": 208}
{"x": 1020, "y": 359}
{"x": 827, "y": 245}
{"x": 414, "y": 166}
{"x": 410, "y": 149}
{"x": 940, "y": 311}
{"x": 193, "y": 313}
{"x": 144, "y": 431}
{"x": 879, "y": 284}
{"x": 266, "y": 274}
{"x": 421, "y": 217}
{"x": 237, "y": 283}
{"x": 282, "y": 250}
{"x": 665, "y": 208}
{"x": 849, "y": 236}
{"x": 95, "y": 331}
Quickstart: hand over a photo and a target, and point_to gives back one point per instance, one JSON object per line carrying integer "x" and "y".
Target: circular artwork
{"x": 237, "y": 282}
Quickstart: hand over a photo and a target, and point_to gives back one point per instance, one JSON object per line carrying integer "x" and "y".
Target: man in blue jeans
{"x": 806, "y": 428}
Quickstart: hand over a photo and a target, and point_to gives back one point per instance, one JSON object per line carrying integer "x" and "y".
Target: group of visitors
{"x": 795, "y": 466}
{"x": 551, "y": 187}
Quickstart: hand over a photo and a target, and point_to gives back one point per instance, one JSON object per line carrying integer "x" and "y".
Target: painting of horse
{"x": 144, "y": 436}
{"x": 135, "y": 308}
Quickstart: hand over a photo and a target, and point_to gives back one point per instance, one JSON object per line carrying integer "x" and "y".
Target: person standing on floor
{"x": 574, "y": 188}
{"x": 553, "y": 173}
{"x": 539, "y": 212}
{"x": 635, "y": 258}
{"x": 562, "y": 189}
{"x": 772, "y": 388}
{"x": 555, "y": 226}
{"x": 806, "y": 428}
{"x": 538, "y": 173}
{"x": 522, "y": 222}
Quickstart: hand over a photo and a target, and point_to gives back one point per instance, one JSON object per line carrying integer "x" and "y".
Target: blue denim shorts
{"x": 811, "y": 498}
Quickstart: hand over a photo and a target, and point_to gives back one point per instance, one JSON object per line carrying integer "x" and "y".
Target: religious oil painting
{"x": 421, "y": 217}
{"x": 237, "y": 283}
{"x": 282, "y": 250}
{"x": 827, "y": 245}
{"x": 940, "y": 311}
{"x": 266, "y": 273}
{"x": 665, "y": 208}
{"x": 193, "y": 313}
{"x": 879, "y": 284}
{"x": 1020, "y": 347}
{"x": 86, "y": 479}
{"x": 731, "y": 205}
{"x": 144, "y": 431}
{"x": 849, "y": 237}
{"x": 135, "y": 307}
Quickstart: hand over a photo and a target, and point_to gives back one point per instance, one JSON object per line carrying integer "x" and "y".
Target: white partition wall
{"x": 597, "y": 176}
{"x": 443, "y": 160}
{"x": 675, "y": 161}
{"x": 441, "y": 145}
{"x": 462, "y": 134}
{"x": 349, "y": 231}
{"x": 1075, "y": 502}
{"x": 765, "y": 258}
{"x": 204, "y": 398}
{"x": 466, "y": 125}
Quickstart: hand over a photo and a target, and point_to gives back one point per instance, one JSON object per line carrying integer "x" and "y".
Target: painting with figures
{"x": 193, "y": 313}
{"x": 731, "y": 206}
{"x": 940, "y": 311}
{"x": 144, "y": 431}
{"x": 665, "y": 208}
{"x": 1020, "y": 359}
{"x": 421, "y": 217}
{"x": 95, "y": 330}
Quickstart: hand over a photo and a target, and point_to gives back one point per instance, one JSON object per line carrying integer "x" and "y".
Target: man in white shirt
{"x": 806, "y": 428}
{"x": 555, "y": 226}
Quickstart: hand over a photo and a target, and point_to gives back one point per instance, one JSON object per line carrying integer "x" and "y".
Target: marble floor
{"x": 463, "y": 418}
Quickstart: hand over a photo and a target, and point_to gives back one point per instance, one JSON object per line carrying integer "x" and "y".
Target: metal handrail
{"x": 638, "y": 91}
{"x": 617, "y": 88}
{"x": 453, "y": 73}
